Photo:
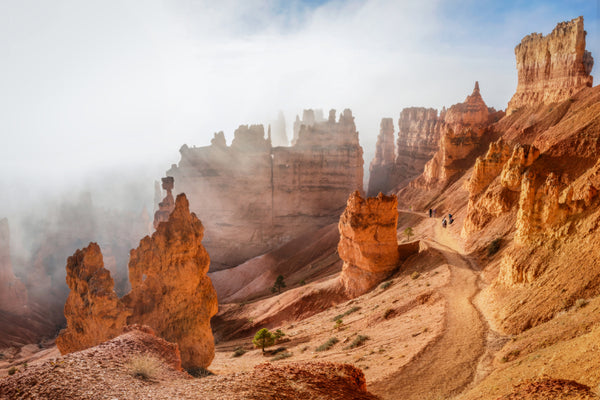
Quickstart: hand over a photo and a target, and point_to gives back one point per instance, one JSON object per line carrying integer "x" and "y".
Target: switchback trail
{"x": 449, "y": 364}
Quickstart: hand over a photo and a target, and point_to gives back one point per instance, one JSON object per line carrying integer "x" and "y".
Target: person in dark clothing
{"x": 444, "y": 223}
{"x": 430, "y": 212}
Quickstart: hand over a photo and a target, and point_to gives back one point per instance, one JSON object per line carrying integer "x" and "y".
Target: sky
{"x": 93, "y": 92}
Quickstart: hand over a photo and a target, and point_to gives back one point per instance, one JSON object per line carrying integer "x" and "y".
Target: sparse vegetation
{"x": 415, "y": 275}
{"x": 278, "y": 335}
{"x": 199, "y": 372}
{"x": 144, "y": 366}
{"x": 12, "y": 370}
{"x": 511, "y": 355}
{"x": 358, "y": 341}
{"x": 350, "y": 311}
{"x": 581, "y": 303}
{"x": 278, "y": 285}
{"x": 386, "y": 284}
{"x": 494, "y": 246}
{"x": 263, "y": 338}
{"x": 281, "y": 356}
{"x": 239, "y": 351}
{"x": 328, "y": 344}
{"x": 338, "y": 324}
{"x": 408, "y": 232}
{"x": 302, "y": 282}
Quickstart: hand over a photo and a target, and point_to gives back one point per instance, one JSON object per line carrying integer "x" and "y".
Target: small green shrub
{"x": 494, "y": 246}
{"x": 350, "y": 311}
{"x": 12, "y": 370}
{"x": 338, "y": 324}
{"x": 358, "y": 341}
{"x": 302, "y": 282}
{"x": 199, "y": 372}
{"x": 263, "y": 338}
{"x": 281, "y": 356}
{"x": 328, "y": 344}
{"x": 415, "y": 275}
{"x": 239, "y": 351}
{"x": 277, "y": 335}
{"x": 386, "y": 284}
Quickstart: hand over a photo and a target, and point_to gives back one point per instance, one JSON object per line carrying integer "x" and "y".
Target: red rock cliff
{"x": 552, "y": 68}
{"x": 93, "y": 311}
{"x": 170, "y": 291}
{"x": 254, "y": 197}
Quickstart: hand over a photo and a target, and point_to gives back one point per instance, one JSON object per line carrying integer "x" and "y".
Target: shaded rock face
{"x": 13, "y": 294}
{"x": 419, "y": 132}
{"x": 254, "y": 197}
{"x": 167, "y": 205}
{"x": 381, "y": 168}
{"x": 170, "y": 291}
{"x": 368, "y": 244}
{"x": 93, "y": 311}
{"x": 552, "y": 68}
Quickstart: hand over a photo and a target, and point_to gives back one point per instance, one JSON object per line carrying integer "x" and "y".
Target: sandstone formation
{"x": 368, "y": 244}
{"x": 167, "y": 205}
{"x": 254, "y": 197}
{"x": 278, "y": 134}
{"x": 13, "y": 295}
{"x": 552, "y": 68}
{"x": 170, "y": 291}
{"x": 93, "y": 311}
{"x": 419, "y": 132}
{"x": 462, "y": 133}
{"x": 381, "y": 168}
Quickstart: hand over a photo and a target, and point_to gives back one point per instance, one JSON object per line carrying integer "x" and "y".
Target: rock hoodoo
{"x": 368, "y": 244}
{"x": 170, "y": 291}
{"x": 381, "y": 168}
{"x": 13, "y": 294}
{"x": 254, "y": 197}
{"x": 552, "y": 68}
{"x": 167, "y": 205}
{"x": 93, "y": 311}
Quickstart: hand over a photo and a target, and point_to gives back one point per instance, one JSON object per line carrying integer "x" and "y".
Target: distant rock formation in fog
{"x": 167, "y": 205}
{"x": 552, "y": 68}
{"x": 254, "y": 197}
{"x": 278, "y": 131}
{"x": 13, "y": 294}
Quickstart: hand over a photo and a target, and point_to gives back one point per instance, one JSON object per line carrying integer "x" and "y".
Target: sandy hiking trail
{"x": 448, "y": 365}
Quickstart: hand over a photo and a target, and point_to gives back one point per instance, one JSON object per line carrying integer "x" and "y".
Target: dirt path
{"x": 448, "y": 365}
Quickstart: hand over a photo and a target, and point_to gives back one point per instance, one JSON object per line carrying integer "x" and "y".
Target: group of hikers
{"x": 445, "y": 222}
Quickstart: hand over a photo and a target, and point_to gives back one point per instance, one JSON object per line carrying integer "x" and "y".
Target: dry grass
{"x": 144, "y": 366}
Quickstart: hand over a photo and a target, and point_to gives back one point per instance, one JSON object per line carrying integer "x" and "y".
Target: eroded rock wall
{"x": 254, "y": 197}
{"x": 93, "y": 311}
{"x": 552, "y": 68}
{"x": 170, "y": 291}
{"x": 382, "y": 166}
{"x": 13, "y": 294}
{"x": 368, "y": 244}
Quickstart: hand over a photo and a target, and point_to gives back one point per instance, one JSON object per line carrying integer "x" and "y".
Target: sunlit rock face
{"x": 13, "y": 294}
{"x": 170, "y": 291}
{"x": 93, "y": 311}
{"x": 462, "y": 132}
{"x": 381, "y": 168}
{"x": 552, "y": 68}
{"x": 254, "y": 197}
{"x": 368, "y": 244}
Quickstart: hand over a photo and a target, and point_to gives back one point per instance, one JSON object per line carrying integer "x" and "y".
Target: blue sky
{"x": 121, "y": 85}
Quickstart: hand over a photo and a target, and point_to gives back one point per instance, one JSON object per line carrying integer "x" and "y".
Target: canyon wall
{"x": 13, "y": 294}
{"x": 552, "y": 68}
{"x": 382, "y": 166}
{"x": 255, "y": 197}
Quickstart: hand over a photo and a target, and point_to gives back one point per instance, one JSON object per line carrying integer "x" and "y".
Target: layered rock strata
{"x": 381, "y": 168}
{"x": 552, "y": 68}
{"x": 170, "y": 291}
{"x": 254, "y": 197}
{"x": 368, "y": 244}
{"x": 13, "y": 294}
{"x": 93, "y": 311}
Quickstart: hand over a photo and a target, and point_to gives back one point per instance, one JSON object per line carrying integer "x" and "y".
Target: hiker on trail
{"x": 450, "y": 219}
{"x": 430, "y": 212}
{"x": 444, "y": 222}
